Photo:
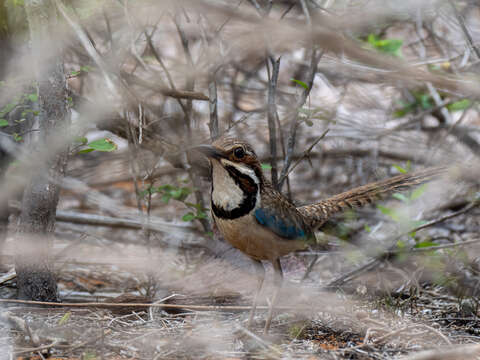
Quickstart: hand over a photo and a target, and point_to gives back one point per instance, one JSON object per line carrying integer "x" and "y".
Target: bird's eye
{"x": 239, "y": 152}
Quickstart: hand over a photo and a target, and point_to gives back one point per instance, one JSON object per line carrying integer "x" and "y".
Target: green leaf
{"x": 166, "y": 198}
{"x": 301, "y": 83}
{"x": 367, "y": 228}
{"x": 177, "y": 194}
{"x": 197, "y": 207}
{"x": 65, "y": 318}
{"x": 85, "y": 68}
{"x": 389, "y": 212}
{"x": 266, "y": 166}
{"x": 400, "y": 197}
{"x": 404, "y": 109}
{"x": 32, "y": 97}
{"x": 309, "y": 122}
{"x": 166, "y": 187}
{"x": 201, "y": 215}
{"x": 408, "y": 166}
{"x": 17, "y": 137}
{"x": 181, "y": 194}
{"x": 3, "y": 123}
{"x": 400, "y": 169}
{"x": 401, "y": 244}
{"x": 105, "y": 145}
{"x": 401, "y": 112}
{"x": 423, "y": 100}
{"x": 425, "y": 244}
{"x": 388, "y": 46}
{"x": 418, "y": 192}
{"x": 7, "y": 108}
{"x": 188, "y": 217}
{"x": 459, "y": 105}
{"x": 153, "y": 190}
{"x": 81, "y": 139}
{"x": 85, "y": 151}
{"x": 372, "y": 39}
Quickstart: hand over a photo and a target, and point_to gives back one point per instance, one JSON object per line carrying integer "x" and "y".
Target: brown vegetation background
{"x": 331, "y": 94}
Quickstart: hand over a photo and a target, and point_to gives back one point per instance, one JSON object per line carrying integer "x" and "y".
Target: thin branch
{"x": 271, "y": 114}
{"x": 143, "y": 305}
{"x": 295, "y": 121}
{"x": 171, "y": 92}
{"x": 467, "y": 34}
{"x": 190, "y": 85}
{"x": 87, "y": 44}
{"x": 212, "y": 93}
{"x": 99, "y": 220}
{"x": 212, "y": 88}
{"x": 38, "y": 348}
{"x": 305, "y": 154}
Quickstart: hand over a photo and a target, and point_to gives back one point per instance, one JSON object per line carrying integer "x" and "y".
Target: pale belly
{"x": 254, "y": 240}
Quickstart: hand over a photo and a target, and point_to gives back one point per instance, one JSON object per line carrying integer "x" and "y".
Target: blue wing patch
{"x": 281, "y": 227}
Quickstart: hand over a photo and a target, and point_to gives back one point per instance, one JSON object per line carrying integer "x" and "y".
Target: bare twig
{"x": 467, "y": 34}
{"x": 447, "y": 217}
{"x": 8, "y": 276}
{"x": 38, "y": 348}
{"x": 212, "y": 90}
{"x": 99, "y": 220}
{"x": 92, "y": 52}
{"x": 171, "y": 92}
{"x": 305, "y": 154}
{"x": 143, "y": 305}
{"x": 271, "y": 114}
{"x": 315, "y": 58}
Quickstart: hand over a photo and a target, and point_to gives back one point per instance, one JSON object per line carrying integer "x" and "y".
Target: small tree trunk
{"x": 4, "y": 158}
{"x": 3, "y": 205}
{"x": 35, "y": 276}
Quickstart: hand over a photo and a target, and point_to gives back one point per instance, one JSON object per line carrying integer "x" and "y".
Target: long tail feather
{"x": 320, "y": 212}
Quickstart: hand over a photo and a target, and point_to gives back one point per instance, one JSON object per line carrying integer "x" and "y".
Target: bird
{"x": 258, "y": 220}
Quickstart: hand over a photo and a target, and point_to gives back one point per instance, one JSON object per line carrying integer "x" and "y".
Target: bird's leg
{"x": 261, "y": 277}
{"x": 278, "y": 285}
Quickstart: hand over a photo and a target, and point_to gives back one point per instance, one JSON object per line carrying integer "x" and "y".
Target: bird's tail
{"x": 317, "y": 214}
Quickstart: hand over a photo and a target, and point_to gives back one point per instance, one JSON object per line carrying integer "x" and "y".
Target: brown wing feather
{"x": 320, "y": 212}
{"x": 272, "y": 199}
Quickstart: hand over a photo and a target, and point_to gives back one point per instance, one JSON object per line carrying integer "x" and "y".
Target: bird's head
{"x": 233, "y": 153}
{"x": 236, "y": 177}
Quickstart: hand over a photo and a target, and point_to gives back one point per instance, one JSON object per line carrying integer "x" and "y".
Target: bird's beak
{"x": 209, "y": 151}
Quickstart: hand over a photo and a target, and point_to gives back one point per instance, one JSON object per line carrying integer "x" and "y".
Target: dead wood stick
{"x": 38, "y": 348}
{"x": 100, "y": 220}
{"x": 157, "y": 305}
{"x": 8, "y": 276}
{"x": 175, "y": 93}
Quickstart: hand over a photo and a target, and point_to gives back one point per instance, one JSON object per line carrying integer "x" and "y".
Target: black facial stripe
{"x": 249, "y": 196}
